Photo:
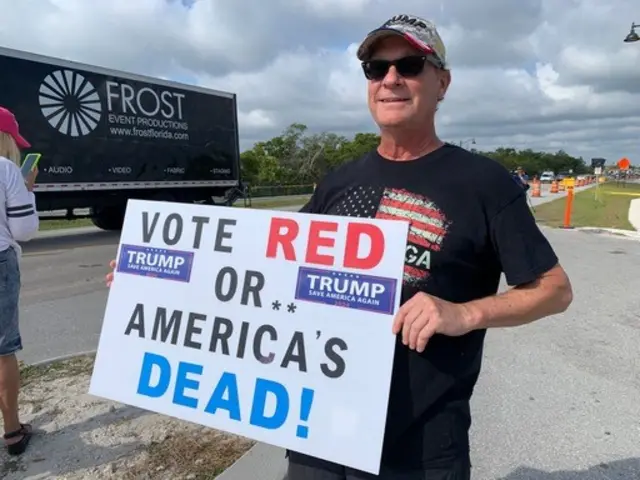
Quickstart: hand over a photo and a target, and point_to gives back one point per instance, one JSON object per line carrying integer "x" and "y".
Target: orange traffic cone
{"x": 536, "y": 191}
{"x": 554, "y": 186}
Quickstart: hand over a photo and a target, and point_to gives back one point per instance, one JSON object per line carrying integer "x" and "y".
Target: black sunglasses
{"x": 410, "y": 66}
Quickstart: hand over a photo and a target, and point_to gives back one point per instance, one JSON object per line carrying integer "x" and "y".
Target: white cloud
{"x": 543, "y": 74}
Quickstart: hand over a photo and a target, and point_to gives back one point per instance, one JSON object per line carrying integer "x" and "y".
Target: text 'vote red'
{"x": 322, "y": 233}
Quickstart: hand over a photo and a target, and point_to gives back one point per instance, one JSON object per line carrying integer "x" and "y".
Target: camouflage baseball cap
{"x": 419, "y": 32}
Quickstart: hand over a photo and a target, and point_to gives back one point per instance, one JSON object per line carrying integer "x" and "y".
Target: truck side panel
{"x": 96, "y": 128}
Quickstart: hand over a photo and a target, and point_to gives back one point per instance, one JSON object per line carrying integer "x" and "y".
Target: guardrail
{"x": 258, "y": 191}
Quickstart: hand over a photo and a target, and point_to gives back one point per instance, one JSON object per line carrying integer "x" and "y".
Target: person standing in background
{"x": 521, "y": 178}
{"x": 19, "y": 222}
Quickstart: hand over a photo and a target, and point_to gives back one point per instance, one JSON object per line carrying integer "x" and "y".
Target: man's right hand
{"x": 109, "y": 277}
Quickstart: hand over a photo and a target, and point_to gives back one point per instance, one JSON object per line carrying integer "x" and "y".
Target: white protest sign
{"x": 271, "y": 325}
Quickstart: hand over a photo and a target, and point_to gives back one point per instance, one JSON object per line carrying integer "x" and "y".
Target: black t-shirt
{"x": 469, "y": 223}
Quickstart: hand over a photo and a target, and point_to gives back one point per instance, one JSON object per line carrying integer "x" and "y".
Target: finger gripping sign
{"x": 271, "y": 325}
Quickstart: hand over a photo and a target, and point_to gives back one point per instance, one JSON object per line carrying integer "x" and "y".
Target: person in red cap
{"x": 9, "y": 125}
{"x": 18, "y": 223}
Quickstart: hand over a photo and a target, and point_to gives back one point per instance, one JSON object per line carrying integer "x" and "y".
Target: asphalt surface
{"x": 546, "y": 196}
{"x": 63, "y": 295}
{"x": 559, "y": 399}
{"x": 556, "y": 400}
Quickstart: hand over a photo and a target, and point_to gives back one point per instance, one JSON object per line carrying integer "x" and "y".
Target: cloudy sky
{"x": 544, "y": 74}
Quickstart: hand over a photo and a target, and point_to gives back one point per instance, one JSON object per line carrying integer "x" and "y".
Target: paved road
{"x": 547, "y": 196}
{"x": 64, "y": 296}
{"x": 557, "y": 400}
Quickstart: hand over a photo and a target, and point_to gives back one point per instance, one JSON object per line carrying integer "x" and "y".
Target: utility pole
{"x": 633, "y": 35}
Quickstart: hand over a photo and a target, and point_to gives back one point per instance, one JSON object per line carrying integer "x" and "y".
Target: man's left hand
{"x": 424, "y": 315}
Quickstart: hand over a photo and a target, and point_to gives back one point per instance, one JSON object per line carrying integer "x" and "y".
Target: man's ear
{"x": 445, "y": 80}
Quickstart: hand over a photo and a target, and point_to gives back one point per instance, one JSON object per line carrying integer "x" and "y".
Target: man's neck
{"x": 407, "y": 145}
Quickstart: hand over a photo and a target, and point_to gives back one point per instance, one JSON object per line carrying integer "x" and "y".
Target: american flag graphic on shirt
{"x": 428, "y": 225}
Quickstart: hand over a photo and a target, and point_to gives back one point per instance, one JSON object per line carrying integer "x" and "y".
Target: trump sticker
{"x": 349, "y": 290}
{"x": 156, "y": 262}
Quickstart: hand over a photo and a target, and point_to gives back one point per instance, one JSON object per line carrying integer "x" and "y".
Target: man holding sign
{"x": 468, "y": 223}
{"x": 464, "y": 222}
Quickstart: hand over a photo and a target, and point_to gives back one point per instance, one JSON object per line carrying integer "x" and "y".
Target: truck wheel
{"x": 110, "y": 219}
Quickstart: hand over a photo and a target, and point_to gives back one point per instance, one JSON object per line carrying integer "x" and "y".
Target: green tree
{"x": 297, "y": 157}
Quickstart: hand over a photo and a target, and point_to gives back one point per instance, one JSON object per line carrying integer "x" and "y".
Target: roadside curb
{"x": 611, "y": 231}
{"x": 61, "y": 358}
{"x": 266, "y": 459}
{"x": 66, "y": 232}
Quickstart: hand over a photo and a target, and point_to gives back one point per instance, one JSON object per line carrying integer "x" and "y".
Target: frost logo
{"x": 70, "y": 103}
